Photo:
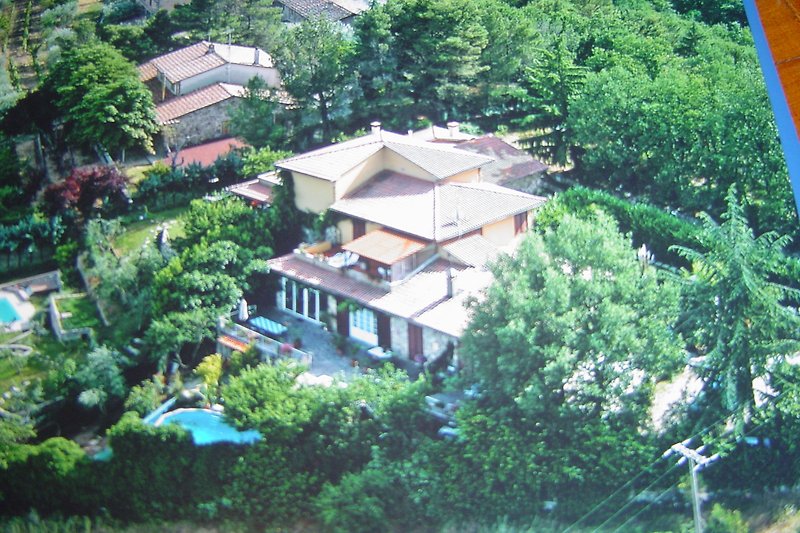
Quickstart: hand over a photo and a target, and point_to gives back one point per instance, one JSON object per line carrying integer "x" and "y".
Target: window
{"x": 520, "y": 223}
{"x": 364, "y": 326}
{"x": 299, "y": 299}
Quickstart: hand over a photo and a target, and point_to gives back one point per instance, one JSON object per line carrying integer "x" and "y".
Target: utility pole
{"x": 696, "y": 463}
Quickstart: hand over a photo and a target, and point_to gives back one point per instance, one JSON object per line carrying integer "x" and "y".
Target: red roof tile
{"x": 331, "y": 281}
{"x": 509, "y": 163}
{"x": 205, "y": 154}
{"x": 189, "y": 103}
{"x": 387, "y": 248}
{"x": 255, "y": 190}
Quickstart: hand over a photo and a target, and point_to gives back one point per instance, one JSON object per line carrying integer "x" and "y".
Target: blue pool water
{"x": 208, "y": 427}
{"x": 8, "y": 313}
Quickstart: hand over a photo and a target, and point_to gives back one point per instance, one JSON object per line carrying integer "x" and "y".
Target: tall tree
{"x": 385, "y": 92}
{"x": 314, "y": 67}
{"x": 736, "y": 315}
{"x": 568, "y": 344}
{"x": 259, "y": 117}
{"x": 102, "y": 99}
{"x": 439, "y": 43}
{"x": 549, "y": 85}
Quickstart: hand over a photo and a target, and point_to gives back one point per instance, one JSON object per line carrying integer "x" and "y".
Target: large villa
{"x": 415, "y": 225}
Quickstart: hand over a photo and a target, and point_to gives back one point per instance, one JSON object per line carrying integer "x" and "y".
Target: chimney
{"x": 449, "y": 274}
{"x": 376, "y": 127}
{"x": 210, "y": 48}
{"x": 452, "y": 128}
{"x": 255, "y": 57}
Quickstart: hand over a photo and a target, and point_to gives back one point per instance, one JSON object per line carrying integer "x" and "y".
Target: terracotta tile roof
{"x": 331, "y": 162}
{"x": 256, "y": 190}
{"x": 422, "y": 298}
{"x": 474, "y": 250}
{"x": 147, "y": 71}
{"x": 509, "y": 163}
{"x": 387, "y": 248}
{"x": 189, "y": 103}
{"x": 328, "y": 280}
{"x": 202, "y": 57}
{"x": 205, "y": 154}
{"x": 430, "y": 211}
{"x": 451, "y": 315}
{"x": 315, "y": 8}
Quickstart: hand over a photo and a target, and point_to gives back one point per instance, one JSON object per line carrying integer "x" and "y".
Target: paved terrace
{"x": 326, "y": 359}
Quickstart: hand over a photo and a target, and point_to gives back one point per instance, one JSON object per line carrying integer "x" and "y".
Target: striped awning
{"x": 232, "y": 343}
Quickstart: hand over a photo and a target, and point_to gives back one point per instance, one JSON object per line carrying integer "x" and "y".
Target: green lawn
{"x": 83, "y": 313}
{"x": 136, "y": 233}
{"x": 47, "y": 353}
{"x": 137, "y": 174}
{"x": 14, "y": 369}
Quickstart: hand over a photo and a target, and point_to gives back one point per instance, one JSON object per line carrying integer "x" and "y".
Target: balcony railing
{"x": 323, "y": 255}
{"x": 269, "y": 348}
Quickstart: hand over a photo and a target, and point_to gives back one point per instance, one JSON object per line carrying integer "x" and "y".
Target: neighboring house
{"x": 151, "y": 6}
{"x": 451, "y": 134}
{"x": 205, "y": 63}
{"x": 205, "y": 154}
{"x": 200, "y": 115}
{"x": 344, "y": 11}
{"x": 195, "y": 87}
{"x": 415, "y": 227}
{"x": 512, "y": 167}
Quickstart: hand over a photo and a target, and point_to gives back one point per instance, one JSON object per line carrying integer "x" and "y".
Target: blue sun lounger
{"x": 267, "y": 327}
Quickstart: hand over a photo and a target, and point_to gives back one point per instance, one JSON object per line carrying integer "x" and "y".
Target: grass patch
{"x": 79, "y": 312}
{"x": 137, "y": 174}
{"x": 89, "y": 6}
{"x": 15, "y": 369}
{"x": 48, "y": 353}
{"x": 136, "y": 233}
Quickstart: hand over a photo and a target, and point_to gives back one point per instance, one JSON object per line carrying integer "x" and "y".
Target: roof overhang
{"x": 384, "y": 247}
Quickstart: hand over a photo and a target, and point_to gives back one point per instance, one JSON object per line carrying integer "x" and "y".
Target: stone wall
{"x": 434, "y": 342}
{"x": 399, "y": 329}
{"x": 205, "y": 124}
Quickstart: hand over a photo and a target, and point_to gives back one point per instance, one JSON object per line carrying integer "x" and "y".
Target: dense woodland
{"x": 656, "y": 109}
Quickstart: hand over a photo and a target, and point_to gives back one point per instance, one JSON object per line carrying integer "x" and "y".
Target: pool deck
{"x": 23, "y": 308}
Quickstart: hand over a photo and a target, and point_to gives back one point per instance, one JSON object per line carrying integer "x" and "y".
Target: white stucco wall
{"x": 312, "y": 194}
{"x": 500, "y": 233}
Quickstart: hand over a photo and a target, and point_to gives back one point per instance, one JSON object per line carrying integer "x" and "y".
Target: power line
{"x": 644, "y": 471}
{"x": 633, "y": 499}
{"x": 613, "y": 494}
{"x": 643, "y": 509}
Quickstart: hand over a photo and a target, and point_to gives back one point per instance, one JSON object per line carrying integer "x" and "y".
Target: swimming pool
{"x": 207, "y": 427}
{"x": 8, "y": 313}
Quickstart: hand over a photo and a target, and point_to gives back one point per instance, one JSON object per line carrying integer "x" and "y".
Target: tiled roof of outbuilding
{"x": 315, "y": 8}
{"x": 201, "y": 57}
{"x": 509, "y": 163}
{"x": 474, "y": 250}
{"x": 207, "y": 96}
